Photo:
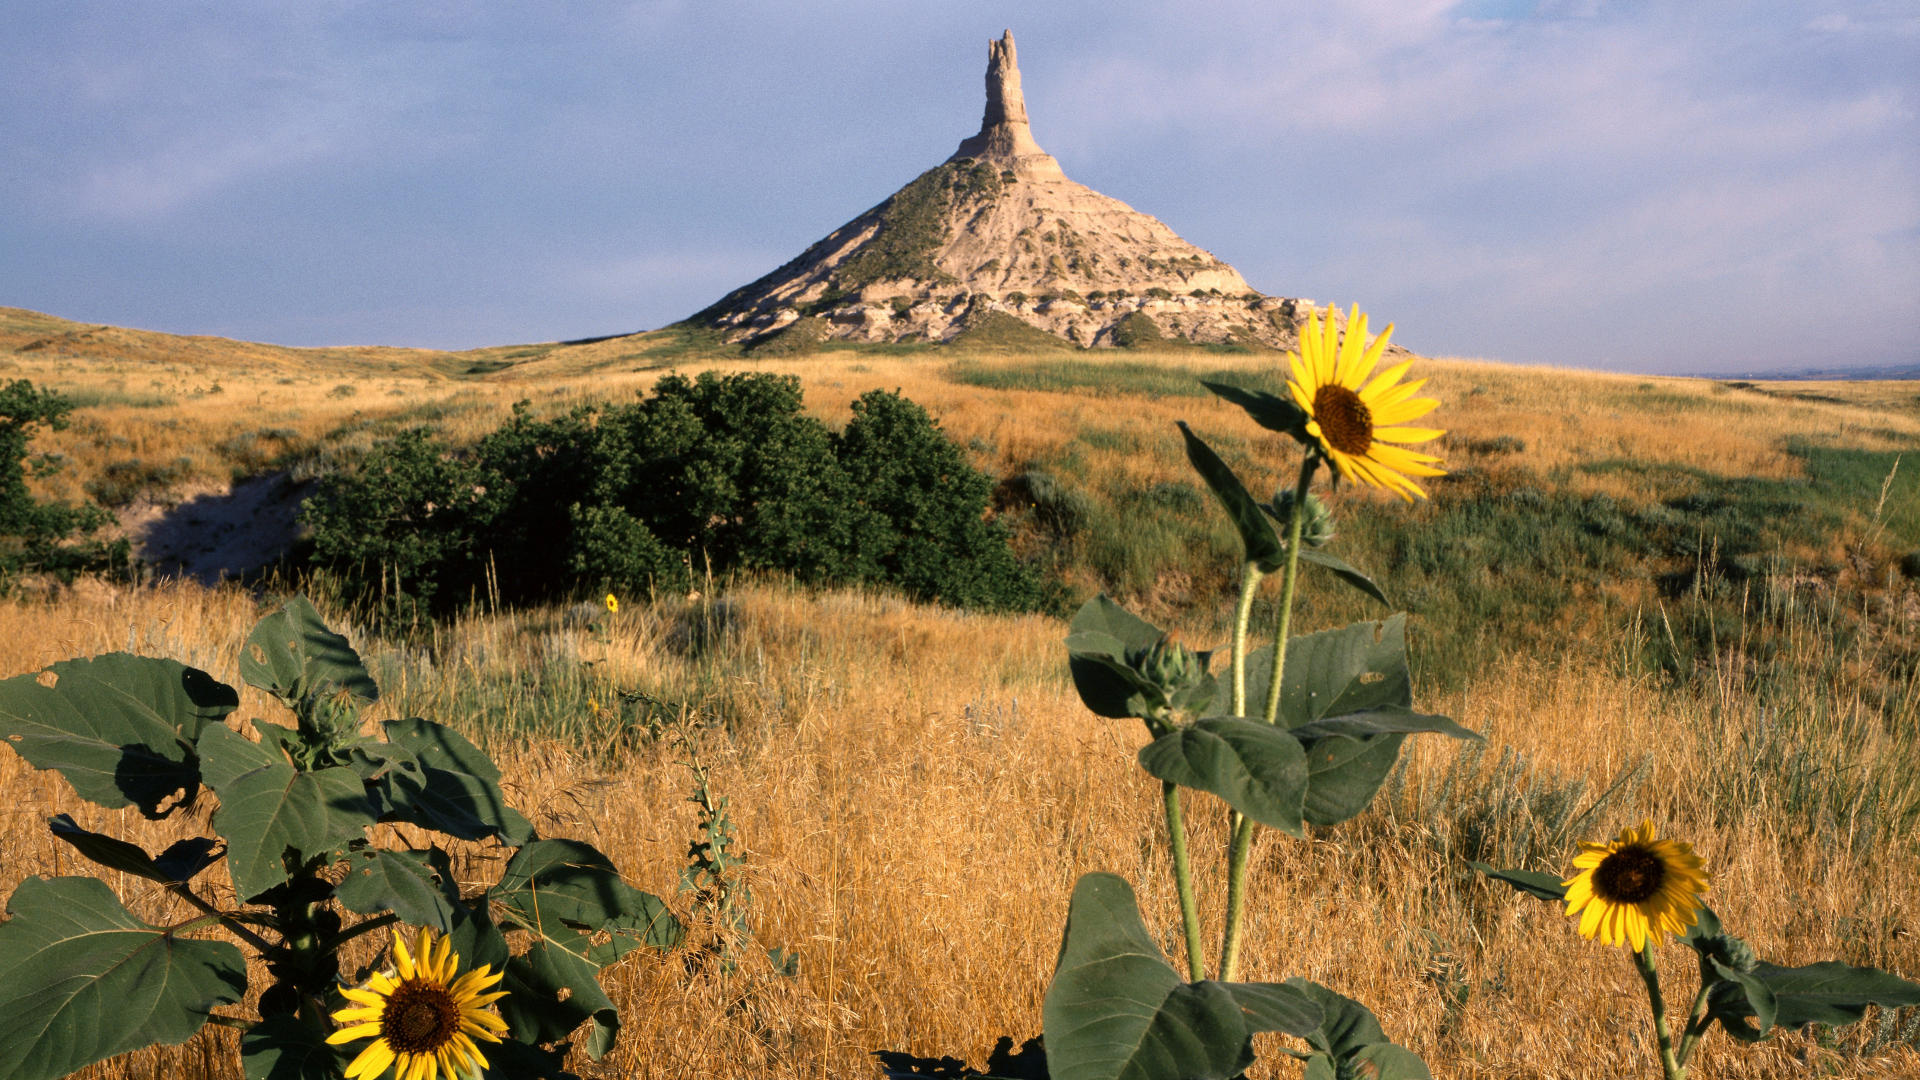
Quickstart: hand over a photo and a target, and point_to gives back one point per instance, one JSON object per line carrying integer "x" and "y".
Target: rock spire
{"x": 1005, "y": 137}
{"x": 995, "y": 234}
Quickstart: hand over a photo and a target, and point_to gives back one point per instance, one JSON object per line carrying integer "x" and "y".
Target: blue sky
{"x": 1720, "y": 185}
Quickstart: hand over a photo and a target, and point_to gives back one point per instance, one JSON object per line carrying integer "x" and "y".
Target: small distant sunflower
{"x": 1353, "y": 418}
{"x": 613, "y": 605}
{"x": 422, "y": 1020}
{"x": 1636, "y": 888}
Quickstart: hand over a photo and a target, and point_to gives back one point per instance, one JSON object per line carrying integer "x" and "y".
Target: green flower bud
{"x": 1732, "y": 952}
{"x": 1317, "y": 529}
{"x": 1170, "y": 676}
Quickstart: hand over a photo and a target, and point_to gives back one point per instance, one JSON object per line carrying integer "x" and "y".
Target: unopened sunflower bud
{"x": 1317, "y": 529}
{"x": 1169, "y": 674}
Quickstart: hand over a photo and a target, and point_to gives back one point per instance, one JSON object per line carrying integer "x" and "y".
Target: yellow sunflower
{"x": 1636, "y": 888}
{"x": 613, "y": 605}
{"x": 1352, "y": 412}
{"x": 422, "y": 1020}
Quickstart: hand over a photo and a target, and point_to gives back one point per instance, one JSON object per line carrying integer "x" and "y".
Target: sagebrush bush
{"x": 720, "y": 472}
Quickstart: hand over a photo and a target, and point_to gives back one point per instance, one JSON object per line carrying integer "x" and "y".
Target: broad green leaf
{"x": 1742, "y": 997}
{"x": 1383, "y": 720}
{"x": 1343, "y": 571}
{"x": 1343, "y": 775}
{"x": 1257, "y": 768}
{"x": 1353, "y": 669}
{"x": 1270, "y": 411}
{"x": 551, "y": 991}
{"x": 1262, "y": 545}
{"x": 457, "y": 788}
{"x": 582, "y": 916}
{"x": 1351, "y": 1043}
{"x": 271, "y": 813}
{"x": 1346, "y": 1025}
{"x": 569, "y": 893}
{"x": 1117, "y": 1011}
{"x": 1277, "y": 1007}
{"x": 1831, "y": 992}
{"x": 1357, "y": 669}
{"x": 120, "y": 728}
{"x": 291, "y": 654}
{"x": 1543, "y": 886}
{"x": 83, "y": 979}
{"x": 180, "y": 862}
{"x": 418, "y": 886}
{"x": 1379, "y": 1061}
{"x": 1099, "y": 637}
{"x": 1107, "y": 987}
{"x": 524, "y": 1061}
{"x": 283, "y": 1048}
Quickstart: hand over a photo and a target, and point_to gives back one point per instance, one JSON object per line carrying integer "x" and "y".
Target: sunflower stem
{"x": 1284, "y": 620}
{"x": 1242, "y": 831}
{"x": 1643, "y": 962}
{"x": 1183, "y": 880}
{"x": 1250, "y": 576}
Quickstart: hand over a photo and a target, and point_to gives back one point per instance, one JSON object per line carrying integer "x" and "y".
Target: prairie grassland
{"x": 1666, "y": 598}
{"x": 916, "y": 791}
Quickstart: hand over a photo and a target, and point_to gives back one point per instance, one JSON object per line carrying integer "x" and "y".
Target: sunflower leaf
{"x": 273, "y": 816}
{"x": 1828, "y": 992}
{"x": 1257, "y": 768}
{"x": 1262, "y": 544}
{"x": 1350, "y": 1042}
{"x": 450, "y": 785}
{"x": 1099, "y": 637}
{"x": 292, "y": 655}
{"x": 1343, "y": 571}
{"x": 83, "y": 979}
{"x": 1543, "y": 886}
{"x": 120, "y": 728}
{"x": 1738, "y": 998}
{"x": 418, "y": 886}
{"x": 283, "y": 1048}
{"x": 1116, "y": 1008}
{"x": 1270, "y": 411}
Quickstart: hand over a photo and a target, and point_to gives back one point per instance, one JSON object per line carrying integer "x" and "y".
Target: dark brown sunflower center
{"x": 420, "y": 1017}
{"x": 1344, "y": 420}
{"x": 1631, "y": 875}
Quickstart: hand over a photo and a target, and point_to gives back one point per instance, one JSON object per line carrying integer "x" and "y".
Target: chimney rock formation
{"x": 999, "y": 230}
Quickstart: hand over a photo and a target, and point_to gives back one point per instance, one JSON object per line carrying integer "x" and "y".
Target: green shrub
{"x": 39, "y": 536}
{"x": 726, "y": 472}
{"x": 1138, "y": 331}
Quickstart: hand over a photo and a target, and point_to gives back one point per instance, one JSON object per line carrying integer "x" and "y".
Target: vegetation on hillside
{"x": 706, "y": 476}
{"x": 42, "y": 535}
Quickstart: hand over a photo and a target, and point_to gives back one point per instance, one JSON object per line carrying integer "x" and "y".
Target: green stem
{"x": 1183, "y": 879}
{"x": 1650, "y": 974}
{"x": 234, "y": 926}
{"x": 1250, "y": 576}
{"x": 365, "y": 926}
{"x": 1287, "y": 583}
{"x": 1236, "y": 897}
{"x": 1242, "y": 843}
{"x": 1697, "y": 1019}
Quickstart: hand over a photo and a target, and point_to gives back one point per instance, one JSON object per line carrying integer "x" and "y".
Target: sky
{"x": 1704, "y": 187}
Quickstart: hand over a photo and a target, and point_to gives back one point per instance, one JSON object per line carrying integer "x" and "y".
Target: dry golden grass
{"x": 917, "y": 790}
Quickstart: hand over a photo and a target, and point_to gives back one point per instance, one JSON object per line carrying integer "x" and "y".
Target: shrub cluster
{"x": 725, "y": 472}
{"x": 36, "y": 535}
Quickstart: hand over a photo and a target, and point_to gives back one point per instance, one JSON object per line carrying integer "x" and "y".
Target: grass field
{"x": 1667, "y": 598}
